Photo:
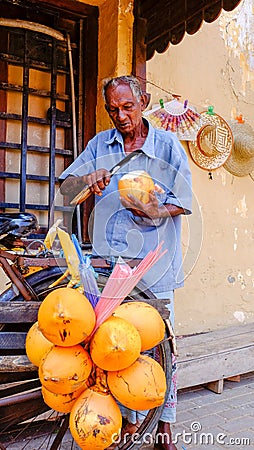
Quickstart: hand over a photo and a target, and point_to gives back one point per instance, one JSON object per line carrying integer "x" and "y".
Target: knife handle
{"x": 81, "y": 196}
{"x": 85, "y": 193}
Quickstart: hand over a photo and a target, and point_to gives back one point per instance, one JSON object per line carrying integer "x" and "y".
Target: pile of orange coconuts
{"x": 83, "y": 372}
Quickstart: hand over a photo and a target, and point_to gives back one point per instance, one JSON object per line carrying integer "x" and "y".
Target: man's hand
{"x": 152, "y": 210}
{"x": 138, "y": 208}
{"x": 98, "y": 180}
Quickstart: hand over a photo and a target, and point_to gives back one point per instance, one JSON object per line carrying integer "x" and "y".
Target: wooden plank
{"x": 213, "y": 356}
{"x": 16, "y": 363}
{"x": 216, "y": 334}
{"x": 139, "y": 53}
{"x": 32, "y": 119}
{"x": 38, "y": 92}
{"x": 34, "y": 148}
{"x": 14, "y": 410}
{"x": 208, "y": 350}
{"x": 202, "y": 370}
{"x": 17, "y": 377}
{"x": 19, "y": 312}
{"x": 29, "y": 177}
{"x": 70, "y": 6}
{"x": 36, "y": 207}
{"x": 235, "y": 379}
{"x": 18, "y": 387}
{"x": 12, "y": 341}
{"x": 87, "y": 104}
{"x": 3, "y": 124}
{"x": 216, "y": 341}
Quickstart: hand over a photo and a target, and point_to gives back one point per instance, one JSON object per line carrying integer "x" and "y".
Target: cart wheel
{"x": 29, "y": 395}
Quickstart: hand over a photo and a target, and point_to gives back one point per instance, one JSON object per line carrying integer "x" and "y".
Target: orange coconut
{"x": 141, "y": 386}
{"x": 66, "y": 317}
{"x": 61, "y": 402}
{"x": 137, "y": 183}
{"x": 146, "y": 319}
{"x": 65, "y": 369}
{"x": 36, "y": 344}
{"x": 116, "y": 344}
{"x": 95, "y": 420}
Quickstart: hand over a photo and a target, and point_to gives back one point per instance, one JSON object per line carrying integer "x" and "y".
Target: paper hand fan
{"x": 177, "y": 117}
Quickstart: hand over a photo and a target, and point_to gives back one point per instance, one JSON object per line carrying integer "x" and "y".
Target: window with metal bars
{"x": 36, "y": 120}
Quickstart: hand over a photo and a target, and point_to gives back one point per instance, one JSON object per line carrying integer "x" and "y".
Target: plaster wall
{"x": 114, "y": 48}
{"x": 214, "y": 67}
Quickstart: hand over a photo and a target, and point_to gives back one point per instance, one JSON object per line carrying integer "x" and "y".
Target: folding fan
{"x": 177, "y": 117}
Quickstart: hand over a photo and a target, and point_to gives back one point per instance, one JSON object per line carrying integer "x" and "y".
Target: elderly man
{"x": 131, "y": 228}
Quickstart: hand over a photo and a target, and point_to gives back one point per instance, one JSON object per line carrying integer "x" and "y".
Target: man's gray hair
{"x": 132, "y": 82}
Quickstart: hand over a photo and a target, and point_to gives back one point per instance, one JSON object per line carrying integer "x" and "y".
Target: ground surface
{"x": 205, "y": 421}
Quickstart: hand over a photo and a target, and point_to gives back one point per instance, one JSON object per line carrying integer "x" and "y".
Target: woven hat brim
{"x": 241, "y": 161}
{"x": 237, "y": 167}
{"x": 207, "y": 162}
{"x": 214, "y": 161}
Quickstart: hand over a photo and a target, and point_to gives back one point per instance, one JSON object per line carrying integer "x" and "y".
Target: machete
{"x": 85, "y": 193}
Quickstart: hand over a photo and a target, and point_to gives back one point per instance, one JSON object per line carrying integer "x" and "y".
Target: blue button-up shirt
{"x": 116, "y": 231}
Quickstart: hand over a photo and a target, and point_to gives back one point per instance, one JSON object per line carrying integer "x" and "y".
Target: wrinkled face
{"x": 123, "y": 108}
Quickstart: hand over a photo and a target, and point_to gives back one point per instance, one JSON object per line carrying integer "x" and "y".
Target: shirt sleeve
{"x": 84, "y": 163}
{"x": 180, "y": 193}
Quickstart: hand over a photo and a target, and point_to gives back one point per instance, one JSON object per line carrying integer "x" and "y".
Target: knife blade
{"x": 85, "y": 192}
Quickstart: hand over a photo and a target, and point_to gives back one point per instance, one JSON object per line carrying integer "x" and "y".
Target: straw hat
{"x": 213, "y": 143}
{"x": 241, "y": 161}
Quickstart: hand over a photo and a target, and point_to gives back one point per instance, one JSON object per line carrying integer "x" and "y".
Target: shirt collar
{"x": 148, "y": 146}
{"x": 116, "y": 136}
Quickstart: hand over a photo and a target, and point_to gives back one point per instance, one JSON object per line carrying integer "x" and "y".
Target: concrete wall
{"x": 114, "y": 48}
{"x": 215, "y": 67}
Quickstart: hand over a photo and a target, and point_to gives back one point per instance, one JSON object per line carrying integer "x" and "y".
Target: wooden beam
{"x": 88, "y": 103}
{"x": 70, "y": 6}
{"x": 19, "y": 312}
{"x": 3, "y": 107}
{"x": 168, "y": 20}
{"x": 235, "y": 379}
{"x": 139, "y": 50}
{"x": 215, "y": 386}
{"x": 12, "y": 340}
{"x": 16, "y": 363}
{"x": 32, "y": 26}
